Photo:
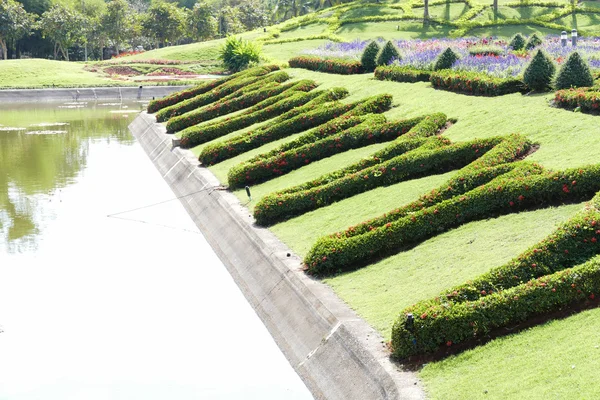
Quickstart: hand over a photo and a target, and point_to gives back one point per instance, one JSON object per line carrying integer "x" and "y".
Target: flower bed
{"x": 401, "y": 74}
{"x": 171, "y": 71}
{"x": 123, "y": 70}
{"x": 334, "y": 66}
{"x": 475, "y": 83}
{"x": 587, "y": 99}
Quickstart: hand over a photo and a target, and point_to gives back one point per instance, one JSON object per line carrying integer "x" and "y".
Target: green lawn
{"x": 513, "y": 12}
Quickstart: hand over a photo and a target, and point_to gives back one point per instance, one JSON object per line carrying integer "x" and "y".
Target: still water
{"x": 107, "y": 289}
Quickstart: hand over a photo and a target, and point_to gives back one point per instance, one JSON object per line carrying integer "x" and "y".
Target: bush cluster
{"x": 218, "y": 152}
{"x": 159, "y": 104}
{"x": 334, "y": 66}
{"x": 475, "y": 83}
{"x": 237, "y": 53}
{"x": 518, "y": 42}
{"x": 388, "y": 53}
{"x": 539, "y": 73}
{"x": 445, "y": 60}
{"x": 543, "y": 279}
{"x": 398, "y": 73}
{"x": 337, "y": 186}
{"x": 534, "y": 41}
{"x": 486, "y": 50}
{"x": 586, "y": 99}
{"x": 574, "y": 73}
{"x": 368, "y": 60}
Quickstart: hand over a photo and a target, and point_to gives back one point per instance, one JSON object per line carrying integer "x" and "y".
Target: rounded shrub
{"x": 238, "y": 53}
{"x": 517, "y": 42}
{"x": 445, "y": 60}
{"x": 540, "y": 71}
{"x": 387, "y": 54}
{"x": 369, "y": 57}
{"x": 534, "y": 41}
{"x": 574, "y": 73}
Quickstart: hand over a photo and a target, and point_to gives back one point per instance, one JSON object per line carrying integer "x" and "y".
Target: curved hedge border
{"x": 157, "y": 105}
{"x": 398, "y": 73}
{"x": 218, "y": 152}
{"x": 267, "y": 109}
{"x": 587, "y": 99}
{"x": 475, "y": 83}
{"x": 500, "y": 196}
{"x": 342, "y": 184}
{"x": 334, "y": 66}
{"x": 536, "y": 282}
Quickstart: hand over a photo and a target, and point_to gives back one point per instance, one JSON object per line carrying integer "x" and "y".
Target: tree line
{"x": 99, "y": 29}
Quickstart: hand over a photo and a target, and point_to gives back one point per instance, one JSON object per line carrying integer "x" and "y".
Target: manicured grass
{"x": 579, "y": 21}
{"x": 282, "y": 52}
{"x": 449, "y": 11}
{"x": 513, "y": 12}
{"x": 303, "y": 31}
{"x": 511, "y": 30}
{"x": 187, "y": 52}
{"x": 388, "y": 30}
{"x": 558, "y": 360}
{"x": 370, "y": 11}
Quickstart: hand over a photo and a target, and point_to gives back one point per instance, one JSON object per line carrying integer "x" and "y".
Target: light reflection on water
{"x": 93, "y": 307}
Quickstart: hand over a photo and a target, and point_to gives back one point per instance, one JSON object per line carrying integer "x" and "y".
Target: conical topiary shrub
{"x": 445, "y": 60}
{"x": 369, "y": 57}
{"x": 517, "y": 42}
{"x": 574, "y": 73}
{"x": 387, "y": 54}
{"x": 534, "y": 41}
{"x": 540, "y": 71}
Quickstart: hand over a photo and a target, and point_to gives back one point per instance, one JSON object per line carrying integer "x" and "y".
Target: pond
{"x": 107, "y": 289}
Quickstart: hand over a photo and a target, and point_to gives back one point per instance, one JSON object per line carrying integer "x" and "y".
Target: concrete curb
{"x": 337, "y": 354}
{"x": 85, "y": 94}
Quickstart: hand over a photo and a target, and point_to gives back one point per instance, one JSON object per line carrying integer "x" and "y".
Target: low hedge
{"x": 399, "y": 73}
{"x": 206, "y": 132}
{"x": 372, "y": 130}
{"x": 475, "y": 83}
{"x": 587, "y": 99}
{"x": 174, "y": 98}
{"x": 548, "y": 280}
{"x": 229, "y": 90}
{"x": 499, "y": 196}
{"x": 218, "y": 152}
{"x": 334, "y": 66}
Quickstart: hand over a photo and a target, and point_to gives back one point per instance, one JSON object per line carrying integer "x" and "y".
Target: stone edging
{"x": 337, "y": 354}
{"x": 85, "y": 94}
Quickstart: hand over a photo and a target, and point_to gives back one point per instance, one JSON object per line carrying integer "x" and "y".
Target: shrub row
{"x": 372, "y": 130}
{"x": 334, "y": 66}
{"x": 475, "y": 83}
{"x": 398, "y": 73}
{"x": 228, "y": 91}
{"x": 499, "y": 196}
{"x": 587, "y": 99}
{"x": 218, "y": 152}
{"x": 303, "y": 198}
{"x": 453, "y": 319}
{"x": 202, "y": 133}
{"x": 157, "y": 105}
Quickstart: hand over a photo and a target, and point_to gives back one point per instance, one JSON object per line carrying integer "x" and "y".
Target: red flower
{"x": 423, "y": 316}
{"x": 449, "y": 343}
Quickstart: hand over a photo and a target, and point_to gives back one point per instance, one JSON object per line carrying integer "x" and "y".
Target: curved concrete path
{"x": 337, "y": 354}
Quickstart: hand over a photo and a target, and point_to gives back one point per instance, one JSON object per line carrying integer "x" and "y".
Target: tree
{"x": 15, "y": 23}
{"x": 118, "y": 23}
{"x": 229, "y": 21}
{"x": 203, "y": 24}
{"x": 540, "y": 71}
{"x": 253, "y": 14}
{"x": 425, "y": 10}
{"x": 164, "y": 22}
{"x": 574, "y": 73}
{"x": 65, "y": 27}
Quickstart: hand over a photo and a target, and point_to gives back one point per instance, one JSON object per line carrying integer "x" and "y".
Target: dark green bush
{"x": 388, "y": 53}
{"x": 587, "y": 99}
{"x": 238, "y": 53}
{"x": 398, "y": 73}
{"x": 540, "y": 71}
{"x": 369, "y": 57}
{"x": 486, "y": 50}
{"x": 534, "y": 41}
{"x": 517, "y": 42}
{"x": 574, "y": 73}
{"x": 334, "y": 66}
{"x": 476, "y": 83}
{"x": 445, "y": 60}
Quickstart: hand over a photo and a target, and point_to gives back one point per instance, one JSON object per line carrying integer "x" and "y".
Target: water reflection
{"x": 43, "y": 148}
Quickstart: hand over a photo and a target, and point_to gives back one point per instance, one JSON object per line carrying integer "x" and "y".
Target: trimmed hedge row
{"x": 454, "y": 318}
{"x": 202, "y": 133}
{"x": 334, "y": 66}
{"x": 174, "y": 98}
{"x": 475, "y": 83}
{"x": 229, "y": 90}
{"x": 587, "y": 99}
{"x": 285, "y": 126}
{"x": 372, "y": 130}
{"x": 499, "y": 196}
{"x": 398, "y": 73}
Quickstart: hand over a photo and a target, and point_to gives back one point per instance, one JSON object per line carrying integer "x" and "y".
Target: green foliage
{"x": 334, "y": 66}
{"x": 203, "y": 24}
{"x": 445, "y": 60}
{"x": 388, "y": 53}
{"x": 64, "y": 26}
{"x": 475, "y": 83}
{"x": 15, "y": 23}
{"x": 369, "y": 56}
{"x": 517, "y": 42}
{"x": 584, "y": 99}
{"x": 486, "y": 50}
{"x": 118, "y": 23}
{"x": 539, "y": 73}
{"x": 401, "y": 74}
{"x": 574, "y": 73}
{"x": 164, "y": 22}
{"x": 237, "y": 53}
{"x": 534, "y": 41}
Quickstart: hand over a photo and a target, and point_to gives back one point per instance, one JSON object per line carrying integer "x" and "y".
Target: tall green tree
{"x": 15, "y": 23}
{"x": 164, "y": 23}
{"x": 63, "y": 26}
{"x": 202, "y": 22}
{"x": 253, "y": 14}
{"x": 118, "y": 23}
